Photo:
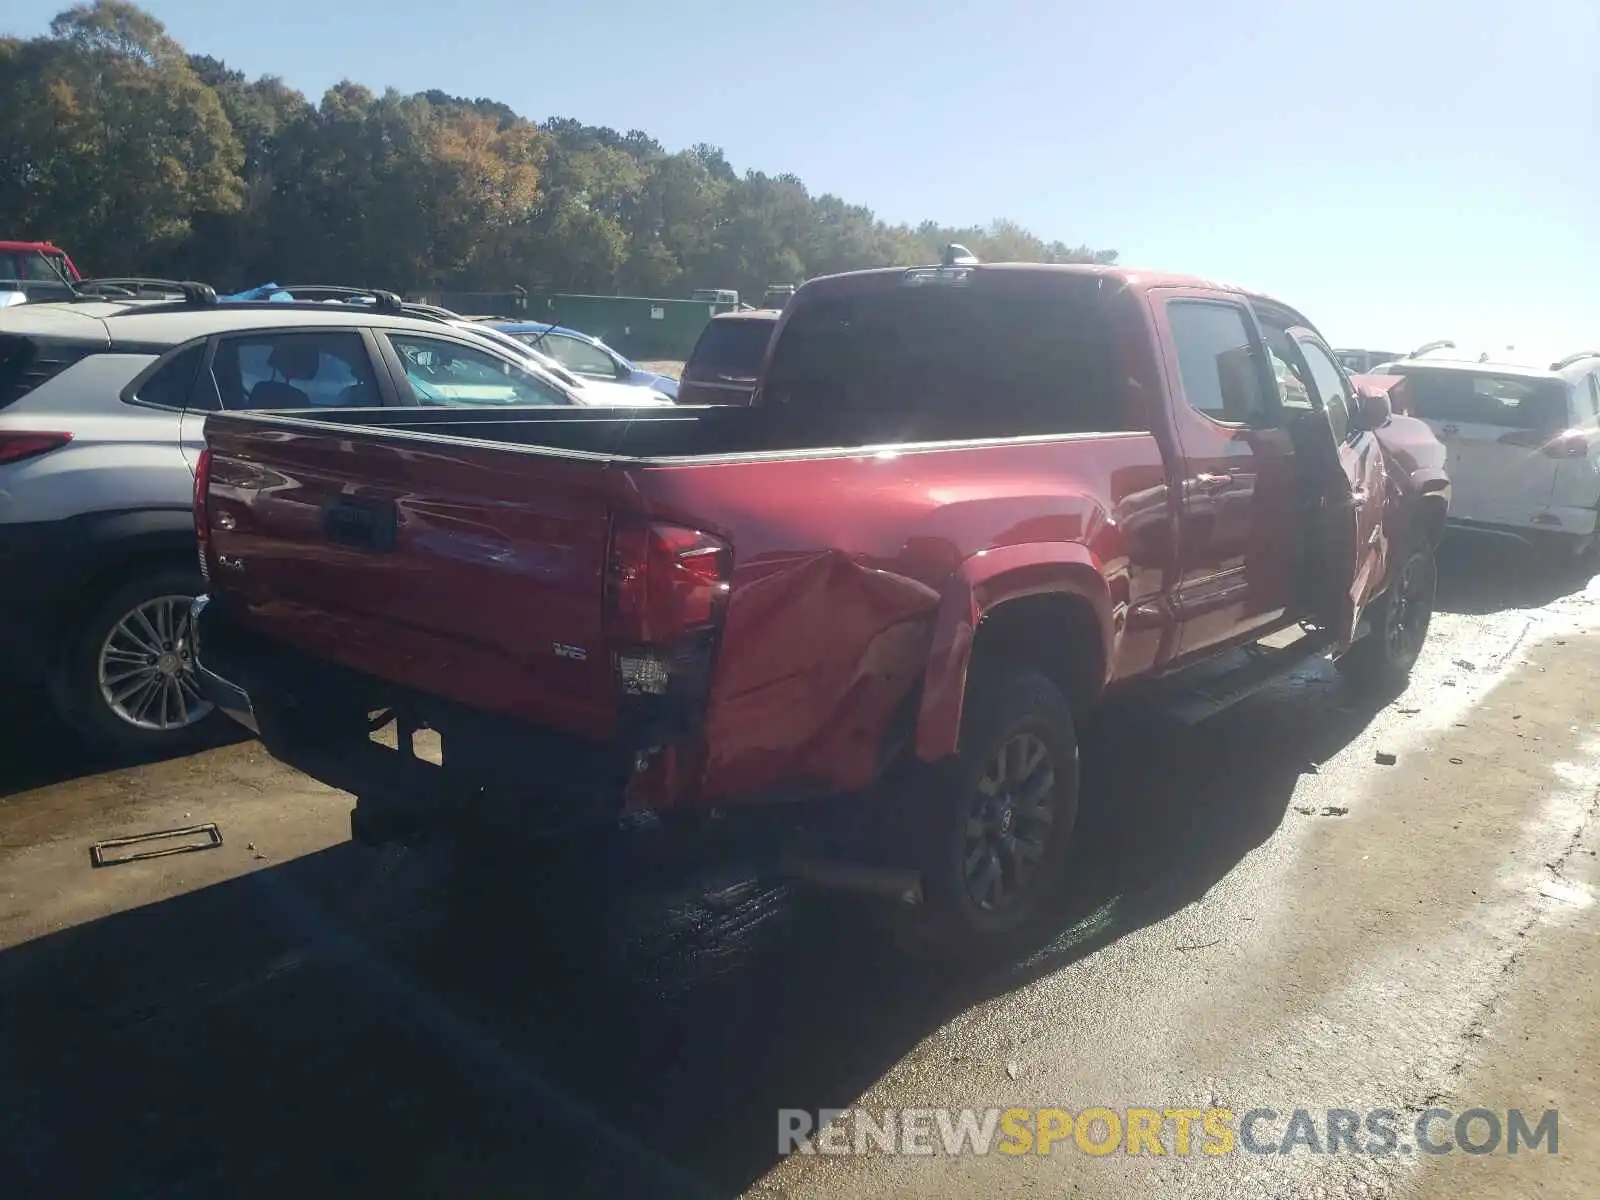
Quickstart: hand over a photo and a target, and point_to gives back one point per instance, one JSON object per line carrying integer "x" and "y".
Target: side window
{"x": 8, "y": 266}
{"x": 578, "y": 356}
{"x": 171, "y": 385}
{"x": 1331, "y": 387}
{"x": 1289, "y": 371}
{"x": 1217, "y": 361}
{"x": 444, "y": 372}
{"x": 1594, "y": 397}
{"x": 295, "y": 370}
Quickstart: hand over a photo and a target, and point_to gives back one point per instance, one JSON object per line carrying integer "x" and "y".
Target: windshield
{"x": 522, "y": 345}
{"x": 1485, "y": 398}
{"x": 444, "y": 372}
{"x": 33, "y": 266}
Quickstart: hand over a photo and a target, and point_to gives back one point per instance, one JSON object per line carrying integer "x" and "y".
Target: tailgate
{"x": 469, "y": 572}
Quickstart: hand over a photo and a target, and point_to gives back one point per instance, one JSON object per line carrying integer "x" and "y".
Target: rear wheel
{"x": 992, "y": 839}
{"x": 1397, "y": 626}
{"x": 126, "y": 678}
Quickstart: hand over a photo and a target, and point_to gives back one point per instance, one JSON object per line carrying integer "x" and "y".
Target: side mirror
{"x": 1373, "y": 408}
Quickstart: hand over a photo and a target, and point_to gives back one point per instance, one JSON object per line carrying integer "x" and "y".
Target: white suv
{"x": 1523, "y": 443}
{"x": 102, "y": 416}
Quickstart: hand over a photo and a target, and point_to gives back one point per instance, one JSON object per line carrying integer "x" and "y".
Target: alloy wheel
{"x": 146, "y": 667}
{"x": 1008, "y": 823}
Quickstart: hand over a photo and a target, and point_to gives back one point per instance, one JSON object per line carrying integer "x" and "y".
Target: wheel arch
{"x": 1049, "y": 606}
{"x": 116, "y": 548}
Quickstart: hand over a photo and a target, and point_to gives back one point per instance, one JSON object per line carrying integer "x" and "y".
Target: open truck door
{"x": 1358, "y": 537}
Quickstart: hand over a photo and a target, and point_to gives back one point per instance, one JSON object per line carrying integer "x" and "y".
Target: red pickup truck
{"x": 967, "y": 503}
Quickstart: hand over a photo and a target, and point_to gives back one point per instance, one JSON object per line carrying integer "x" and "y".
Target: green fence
{"x": 638, "y": 326}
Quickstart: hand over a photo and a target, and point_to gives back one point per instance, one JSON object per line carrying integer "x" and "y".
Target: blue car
{"x": 584, "y": 355}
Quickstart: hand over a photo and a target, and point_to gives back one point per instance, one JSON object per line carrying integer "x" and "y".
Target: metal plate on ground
{"x": 187, "y": 839}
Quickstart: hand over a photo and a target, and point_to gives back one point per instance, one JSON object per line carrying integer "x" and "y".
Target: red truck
{"x": 40, "y": 270}
{"x": 967, "y": 503}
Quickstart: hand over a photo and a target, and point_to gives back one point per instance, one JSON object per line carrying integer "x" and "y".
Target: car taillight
{"x": 665, "y": 584}
{"x": 1574, "y": 443}
{"x": 15, "y": 446}
{"x": 665, "y": 580}
{"x": 202, "y": 521}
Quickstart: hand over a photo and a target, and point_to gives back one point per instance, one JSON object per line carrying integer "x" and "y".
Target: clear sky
{"x": 1400, "y": 171}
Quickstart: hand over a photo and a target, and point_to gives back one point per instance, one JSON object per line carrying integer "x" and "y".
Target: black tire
{"x": 1564, "y": 552}
{"x": 1398, "y": 623}
{"x": 959, "y": 920}
{"x": 77, "y": 684}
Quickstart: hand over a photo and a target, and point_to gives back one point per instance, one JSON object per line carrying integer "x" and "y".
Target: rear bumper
{"x": 1551, "y": 522}
{"x": 229, "y": 698}
{"x": 318, "y": 717}
{"x": 314, "y": 718}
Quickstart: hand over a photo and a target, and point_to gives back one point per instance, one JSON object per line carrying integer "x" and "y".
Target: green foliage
{"x": 112, "y": 143}
{"x": 139, "y": 157}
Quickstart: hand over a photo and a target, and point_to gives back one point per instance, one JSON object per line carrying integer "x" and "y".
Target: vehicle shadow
{"x": 38, "y": 749}
{"x": 398, "y": 1023}
{"x": 1481, "y": 574}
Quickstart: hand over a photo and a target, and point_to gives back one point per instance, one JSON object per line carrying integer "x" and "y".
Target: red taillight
{"x": 16, "y": 446}
{"x": 202, "y": 522}
{"x": 665, "y": 580}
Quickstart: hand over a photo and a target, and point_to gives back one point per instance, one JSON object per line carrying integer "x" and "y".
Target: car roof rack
{"x": 383, "y": 301}
{"x": 957, "y": 255}
{"x": 1563, "y": 363}
{"x": 436, "y": 311}
{"x": 134, "y": 287}
{"x": 1427, "y": 347}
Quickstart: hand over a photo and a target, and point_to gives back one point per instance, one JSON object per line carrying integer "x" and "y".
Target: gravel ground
{"x": 1264, "y": 916}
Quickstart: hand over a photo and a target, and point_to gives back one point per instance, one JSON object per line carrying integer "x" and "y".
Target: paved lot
{"x": 1265, "y": 917}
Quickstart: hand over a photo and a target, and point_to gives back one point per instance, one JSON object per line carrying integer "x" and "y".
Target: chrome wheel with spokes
{"x": 1008, "y": 822}
{"x": 146, "y": 667}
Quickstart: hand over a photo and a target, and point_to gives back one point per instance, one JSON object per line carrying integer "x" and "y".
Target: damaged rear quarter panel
{"x": 846, "y": 569}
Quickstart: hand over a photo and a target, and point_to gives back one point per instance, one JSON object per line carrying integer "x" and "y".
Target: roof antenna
{"x": 957, "y": 255}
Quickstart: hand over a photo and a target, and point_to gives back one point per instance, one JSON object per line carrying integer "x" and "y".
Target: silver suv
{"x": 102, "y": 416}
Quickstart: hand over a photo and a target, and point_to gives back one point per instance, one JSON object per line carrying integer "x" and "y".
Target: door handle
{"x": 1209, "y": 482}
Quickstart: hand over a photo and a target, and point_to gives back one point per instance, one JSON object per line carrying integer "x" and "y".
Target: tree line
{"x": 141, "y": 158}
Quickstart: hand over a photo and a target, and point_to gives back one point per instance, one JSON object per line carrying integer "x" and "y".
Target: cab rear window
{"x": 986, "y": 363}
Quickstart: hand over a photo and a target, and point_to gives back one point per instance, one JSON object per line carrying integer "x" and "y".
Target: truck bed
{"x": 465, "y": 554}
{"x": 646, "y": 434}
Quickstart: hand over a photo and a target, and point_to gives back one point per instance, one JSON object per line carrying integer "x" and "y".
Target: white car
{"x": 1523, "y": 443}
{"x": 103, "y": 404}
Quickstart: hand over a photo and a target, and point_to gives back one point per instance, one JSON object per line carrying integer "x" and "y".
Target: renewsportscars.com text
{"x": 1180, "y": 1132}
